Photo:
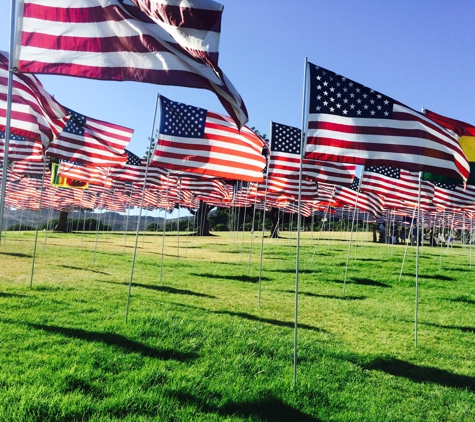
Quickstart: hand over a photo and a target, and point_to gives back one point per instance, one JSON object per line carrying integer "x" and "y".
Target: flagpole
{"x": 8, "y": 117}
{"x": 252, "y": 236}
{"x": 140, "y": 211}
{"x": 416, "y": 312}
{"x": 407, "y": 240}
{"x": 164, "y": 227}
{"x": 351, "y": 232}
{"x": 325, "y": 216}
{"x": 297, "y": 255}
{"x": 37, "y": 224}
{"x": 264, "y": 220}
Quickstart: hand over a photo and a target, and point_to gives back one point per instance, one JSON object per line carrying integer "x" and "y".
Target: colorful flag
{"x": 284, "y": 159}
{"x": 199, "y": 141}
{"x": 465, "y": 133}
{"x": 154, "y": 42}
{"x": 91, "y": 142}
{"x": 350, "y": 123}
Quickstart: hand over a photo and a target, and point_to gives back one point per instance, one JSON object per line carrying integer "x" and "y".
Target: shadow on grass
{"x": 11, "y": 295}
{"x": 270, "y": 409}
{"x": 243, "y": 278}
{"x": 363, "y": 282}
{"x": 164, "y": 289}
{"x": 450, "y": 327}
{"x": 292, "y": 271}
{"x": 17, "y": 255}
{"x": 436, "y": 277}
{"x": 326, "y": 296}
{"x": 126, "y": 345}
{"x": 462, "y": 300}
{"x": 82, "y": 269}
{"x": 250, "y": 317}
{"x": 421, "y": 374}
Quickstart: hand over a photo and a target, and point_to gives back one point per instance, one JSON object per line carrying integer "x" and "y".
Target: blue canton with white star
{"x": 132, "y": 159}
{"x": 285, "y": 138}
{"x": 13, "y": 137}
{"x": 182, "y": 119}
{"x": 356, "y": 184}
{"x": 331, "y": 93}
{"x": 75, "y": 123}
{"x": 385, "y": 171}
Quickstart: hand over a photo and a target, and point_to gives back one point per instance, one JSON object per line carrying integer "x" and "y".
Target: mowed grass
{"x": 198, "y": 347}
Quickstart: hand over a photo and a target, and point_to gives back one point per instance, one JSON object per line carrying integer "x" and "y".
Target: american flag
{"x": 195, "y": 140}
{"x": 448, "y": 195}
{"x": 21, "y": 148}
{"x": 78, "y": 171}
{"x": 35, "y": 114}
{"x": 134, "y": 171}
{"x": 348, "y": 122}
{"x": 366, "y": 202}
{"x": 289, "y": 188}
{"x": 284, "y": 159}
{"x": 92, "y": 142}
{"x": 205, "y": 188}
{"x": 154, "y": 42}
{"x": 397, "y": 184}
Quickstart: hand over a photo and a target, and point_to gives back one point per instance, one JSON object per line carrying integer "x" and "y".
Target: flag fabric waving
{"x": 195, "y": 140}
{"x": 165, "y": 42}
{"x": 350, "y": 123}
{"x": 92, "y": 142}
{"x": 35, "y": 114}
{"x": 466, "y": 137}
{"x": 397, "y": 184}
{"x": 284, "y": 159}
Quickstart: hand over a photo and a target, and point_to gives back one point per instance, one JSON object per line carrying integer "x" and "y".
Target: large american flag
{"x": 162, "y": 42}
{"x": 350, "y": 123}
{"x": 92, "y": 142}
{"x": 199, "y": 141}
{"x": 284, "y": 159}
{"x": 35, "y": 114}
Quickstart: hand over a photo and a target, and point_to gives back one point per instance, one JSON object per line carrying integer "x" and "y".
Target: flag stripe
{"x": 110, "y": 40}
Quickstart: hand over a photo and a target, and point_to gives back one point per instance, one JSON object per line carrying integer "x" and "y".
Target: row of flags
{"x": 175, "y": 43}
{"x": 379, "y": 190}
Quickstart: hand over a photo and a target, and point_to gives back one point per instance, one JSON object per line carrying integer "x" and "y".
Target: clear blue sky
{"x": 420, "y": 53}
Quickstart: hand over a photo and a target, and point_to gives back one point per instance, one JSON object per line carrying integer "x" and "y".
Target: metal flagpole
{"x": 351, "y": 232}
{"x": 8, "y": 117}
{"x": 263, "y": 224}
{"x": 178, "y": 221}
{"x": 252, "y": 237}
{"x": 325, "y": 216}
{"x": 416, "y": 313}
{"x": 98, "y": 223}
{"x": 140, "y": 212}
{"x": 407, "y": 242}
{"x": 470, "y": 239}
{"x": 37, "y": 224}
{"x": 164, "y": 229}
{"x": 299, "y": 207}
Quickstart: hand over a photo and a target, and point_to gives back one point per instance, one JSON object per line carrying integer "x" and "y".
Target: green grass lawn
{"x": 198, "y": 347}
